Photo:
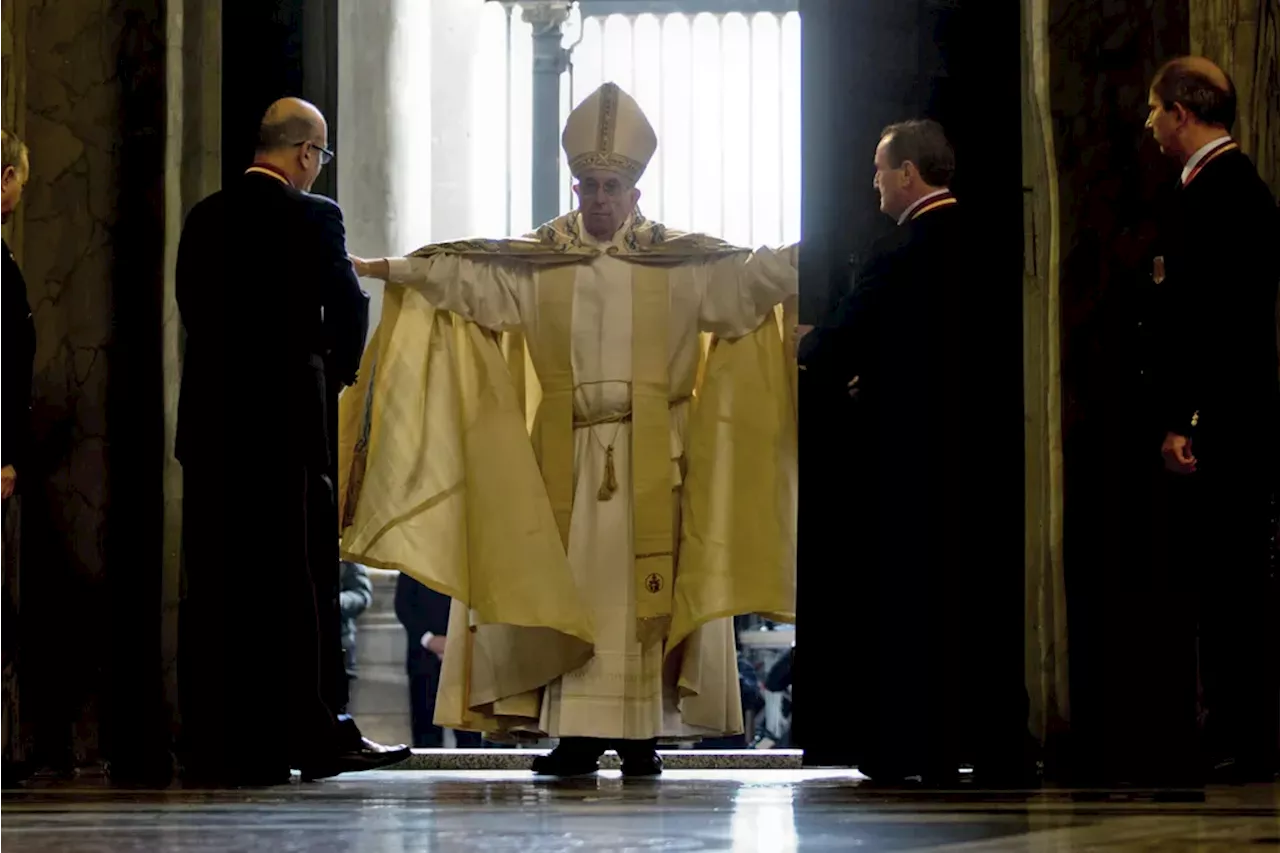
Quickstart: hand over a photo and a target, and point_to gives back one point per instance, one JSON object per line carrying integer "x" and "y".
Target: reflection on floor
{"x": 773, "y": 811}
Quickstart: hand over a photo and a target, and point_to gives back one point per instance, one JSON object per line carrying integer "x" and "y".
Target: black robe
{"x": 19, "y": 342}
{"x": 18, "y": 359}
{"x": 1213, "y": 369}
{"x": 275, "y": 320}
{"x": 936, "y": 637}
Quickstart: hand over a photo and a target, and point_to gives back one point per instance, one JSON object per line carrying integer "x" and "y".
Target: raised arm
{"x": 485, "y": 291}
{"x": 739, "y": 291}
{"x": 346, "y": 306}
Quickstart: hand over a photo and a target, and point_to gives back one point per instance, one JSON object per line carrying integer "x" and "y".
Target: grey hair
{"x": 13, "y": 152}
{"x": 285, "y": 133}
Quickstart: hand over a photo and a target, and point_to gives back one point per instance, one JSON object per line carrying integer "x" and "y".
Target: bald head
{"x": 288, "y": 122}
{"x": 1202, "y": 88}
{"x": 294, "y": 138}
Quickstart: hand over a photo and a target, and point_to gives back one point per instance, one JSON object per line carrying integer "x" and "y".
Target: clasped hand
{"x": 1177, "y": 454}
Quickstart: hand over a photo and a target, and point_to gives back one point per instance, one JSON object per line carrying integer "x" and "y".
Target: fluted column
{"x": 550, "y": 60}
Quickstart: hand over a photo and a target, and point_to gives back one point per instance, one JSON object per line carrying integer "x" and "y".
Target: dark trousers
{"x": 253, "y": 625}
{"x": 422, "y": 709}
{"x": 10, "y": 542}
{"x": 1230, "y": 536}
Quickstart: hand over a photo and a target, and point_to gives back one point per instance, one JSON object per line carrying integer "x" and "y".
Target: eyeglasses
{"x": 326, "y": 156}
{"x": 612, "y": 189}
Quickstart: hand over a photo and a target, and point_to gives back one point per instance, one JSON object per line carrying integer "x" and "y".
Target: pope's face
{"x": 605, "y": 200}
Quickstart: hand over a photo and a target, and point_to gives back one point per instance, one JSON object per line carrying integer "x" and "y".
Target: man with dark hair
{"x": 1217, "y": 410}
{"x": 924, "y": 144}
{"x": 939, "y": 666}
{"x": 19, "y": 337}
{"x": 275, "y": 320}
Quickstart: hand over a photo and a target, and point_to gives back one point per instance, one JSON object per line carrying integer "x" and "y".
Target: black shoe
{"x": 369, "y": 756}
{"x": 635, "y": 766}
{"x": 568, "y": 759}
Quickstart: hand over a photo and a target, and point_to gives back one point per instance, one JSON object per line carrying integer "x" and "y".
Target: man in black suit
{"x": 1217, "y": 407}
{"x": 424, "y": 613}
{"x": 937, "y": 665}
{"x": 275, "y": 321}
{"x": 19, "y": 327}
{"x": 19, "y": 340}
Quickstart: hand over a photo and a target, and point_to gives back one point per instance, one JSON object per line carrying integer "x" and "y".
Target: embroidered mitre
{"x": 609, "y": 131}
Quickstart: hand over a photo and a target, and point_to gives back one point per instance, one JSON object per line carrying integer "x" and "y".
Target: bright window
{"x": 722, "y": 92}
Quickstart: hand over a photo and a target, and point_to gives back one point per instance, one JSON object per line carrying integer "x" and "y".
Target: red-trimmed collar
{"x": 268, "y": 169}
{"x": 930, "y": 202}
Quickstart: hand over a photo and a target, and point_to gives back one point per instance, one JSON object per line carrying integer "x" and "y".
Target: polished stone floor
{"x": 764, "y": 811}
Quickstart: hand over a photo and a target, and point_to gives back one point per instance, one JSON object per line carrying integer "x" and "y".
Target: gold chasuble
{"x": 596, "y": 517}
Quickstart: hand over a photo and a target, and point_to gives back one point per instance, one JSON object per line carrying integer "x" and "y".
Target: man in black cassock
{"x": 275, "y": 323}
{"x": 937, "y": 651}
{"x": 19, "y": 352}
{"x": 1217, "y": 409}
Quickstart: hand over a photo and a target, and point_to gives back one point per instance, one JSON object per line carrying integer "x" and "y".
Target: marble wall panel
{"x": 1243, "y": 36}
{"x": 82, "y": 88}
{"x": 1110, "y": 182}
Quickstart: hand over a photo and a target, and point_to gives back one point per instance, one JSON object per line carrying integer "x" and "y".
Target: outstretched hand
{"x": 361, "y": 266}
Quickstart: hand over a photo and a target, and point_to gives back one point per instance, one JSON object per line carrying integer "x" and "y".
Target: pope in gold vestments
{"x": 588, "y": 442}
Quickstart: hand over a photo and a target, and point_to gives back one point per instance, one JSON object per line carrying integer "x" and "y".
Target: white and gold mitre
{"x": 609, "y": 131}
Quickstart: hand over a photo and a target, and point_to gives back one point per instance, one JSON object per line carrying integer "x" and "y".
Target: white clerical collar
{"x": 1203, "y": 152}
{"x": 919, "y": 203}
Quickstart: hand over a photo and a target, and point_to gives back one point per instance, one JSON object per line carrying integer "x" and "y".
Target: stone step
{"x": 675, "y": 759}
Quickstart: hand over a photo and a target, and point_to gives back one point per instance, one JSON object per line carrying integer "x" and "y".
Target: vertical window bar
{"x": 510, "y": 110}
{"x": 782, "y": 146}
{"x": 724, "y": 177}
{"x": 751, "y": 131}
{"x": 662, "y": 115}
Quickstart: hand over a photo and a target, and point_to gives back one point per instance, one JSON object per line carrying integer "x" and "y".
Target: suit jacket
{"x": 18, "y": 358}
{"x": 420, "y": 609}
{"x": 911, "y": 322}
{"x": 914, "y": 330}
{"x": 274, "y": 315}
{"x": 1214, "y": 334}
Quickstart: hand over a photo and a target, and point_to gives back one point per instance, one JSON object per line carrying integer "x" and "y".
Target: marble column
{"x": 85, "y": 87}
{"x": 550, "y": 61}
{"x": 192, "y": 170}
{"x": 1046, "y": 648}
{"x": 1243, "y": 36}
{"x": 385, "y": 127}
